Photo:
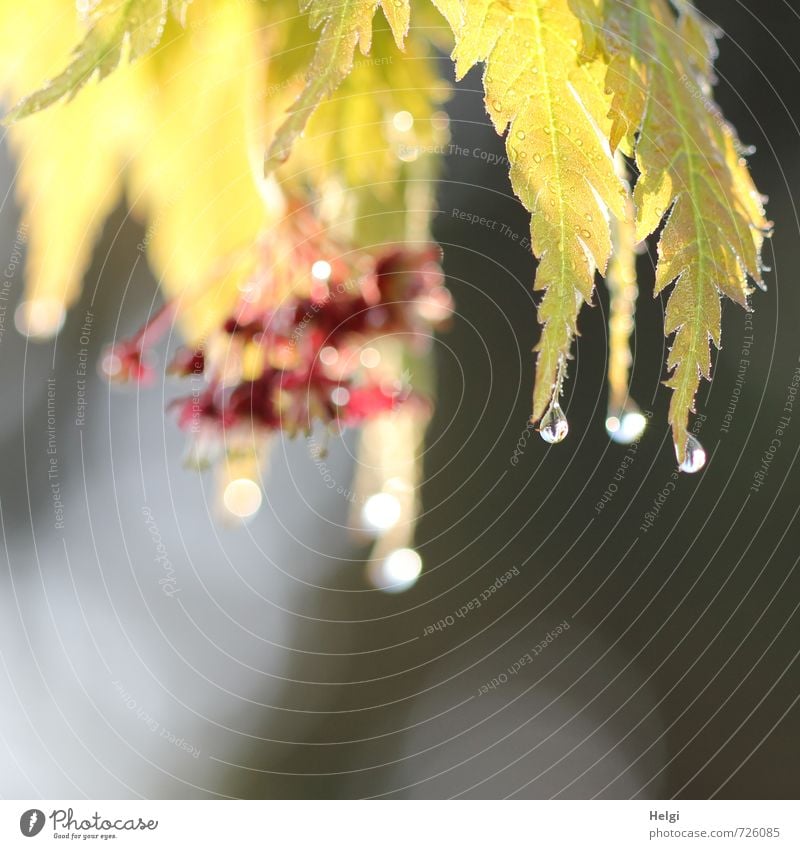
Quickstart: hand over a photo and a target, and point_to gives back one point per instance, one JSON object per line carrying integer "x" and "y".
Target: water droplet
{"x": 537, "y": 157}
{"x": 340, "y": 396}
{"x": 398, "y": 572}
{"x": 40, "y": 318}
{"x": 586, "y": 234}
{"x": 497, "y": 105}
{"x": 370, "y": 357}
{"x": 381, "y": 512}
{"x": 554, "y": 426}
{"x": 695, "y": 456}
{"x": 403, "y": 121}
{"x": 329, "y": 355}
{"x": 321, "y": 270}
{"x": 521, "y": 135}
{"x": 242, "y": 497}
{"x": 626, "y": 425}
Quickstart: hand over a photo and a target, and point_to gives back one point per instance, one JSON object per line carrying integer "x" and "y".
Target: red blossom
{"x": 364, "y": 298}
{"x": 125, "y": 362}
{"x": 187, "y": 362}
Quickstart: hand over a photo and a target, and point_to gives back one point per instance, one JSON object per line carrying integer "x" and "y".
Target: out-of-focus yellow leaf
{"x": 378, "y": 119}
{"x": 552, "y": 100}
{"x": 345, "y": 25}
{"x": 179, "y": 8}
{"x": 70, "y": 158}
{"x": 383, "y": 126}
{"x": 195, "y": 170}
{"x": 115, "y": 27}
{"x": 623, "y": 291}
{"x": 184, "y": 129}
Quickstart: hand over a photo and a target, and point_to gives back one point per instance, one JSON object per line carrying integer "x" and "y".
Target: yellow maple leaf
{"x": 114, "y": 28}
{"x": 691, "y": 166}
{"x": 541, "y": 88}
{"x": 194, "y": 173}
{"x": 378, "y": 119}
{"x": 345, "y": 24}
{"x": 180, "y": 128}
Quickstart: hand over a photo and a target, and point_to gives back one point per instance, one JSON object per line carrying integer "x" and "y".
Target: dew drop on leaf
{"x": 554, "y": 426}
{"x": 695, "y": 456}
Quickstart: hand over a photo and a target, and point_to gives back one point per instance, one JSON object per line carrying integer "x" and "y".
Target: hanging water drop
{"x": 242, "y": 498}
{"x": 554, "y": 426}
{"x": 625, "y": 425}
{"x": 695, "y": 456}
{"x": 397, "y": 572}
{"x": 403, "y": 121}
{"x": 381, "y": 512}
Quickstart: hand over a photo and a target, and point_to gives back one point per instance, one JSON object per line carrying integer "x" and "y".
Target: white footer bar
{"x": 402, "y": 824}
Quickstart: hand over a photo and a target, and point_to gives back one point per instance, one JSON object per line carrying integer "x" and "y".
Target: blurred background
{"x": 619, "y": 650}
